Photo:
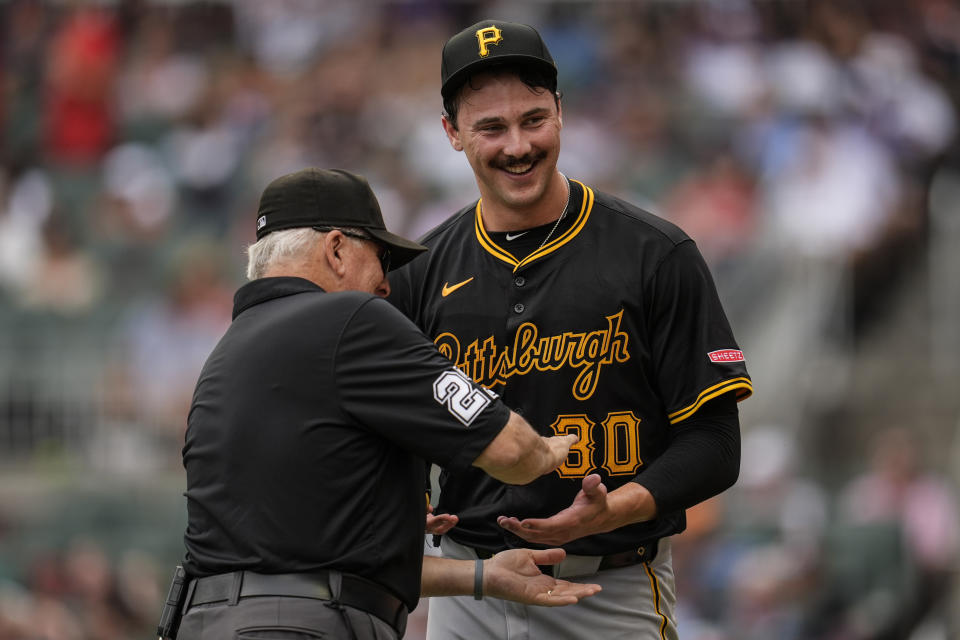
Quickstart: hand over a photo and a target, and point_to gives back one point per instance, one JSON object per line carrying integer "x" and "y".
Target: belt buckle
{"x": 574, "y": 566}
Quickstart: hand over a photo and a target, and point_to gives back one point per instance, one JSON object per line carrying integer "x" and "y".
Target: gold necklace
{"x": 563, "y": 214}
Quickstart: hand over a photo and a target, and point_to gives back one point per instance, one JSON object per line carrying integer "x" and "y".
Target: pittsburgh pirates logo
{"x": 488, "y": 36}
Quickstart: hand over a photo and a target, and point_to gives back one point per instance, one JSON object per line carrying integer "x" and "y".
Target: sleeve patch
{"x": 726, "y": 355}
{"x": 457, "y": 393}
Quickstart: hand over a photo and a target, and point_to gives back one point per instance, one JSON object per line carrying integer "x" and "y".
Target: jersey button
{"x": 520, "y": 281}
{"x": 518, "y": 308}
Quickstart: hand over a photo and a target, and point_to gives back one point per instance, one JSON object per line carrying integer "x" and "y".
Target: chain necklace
{"x": 563, "y": 215}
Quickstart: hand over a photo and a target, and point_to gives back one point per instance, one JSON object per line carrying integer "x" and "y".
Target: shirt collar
{"x": 264, "y": 289}
{"x": 571, "y": 229}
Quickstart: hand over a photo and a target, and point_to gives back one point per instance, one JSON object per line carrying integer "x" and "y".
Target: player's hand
{"x": 514, "y": 575}
{"x": 439, "y": 525}
{"x": 588, "y": 514}
{"x": 558, "y": 449}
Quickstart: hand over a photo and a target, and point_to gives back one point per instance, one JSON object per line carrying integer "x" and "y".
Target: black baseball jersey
{"x": 612, "y": 329}
{"x": 308, "y": 432}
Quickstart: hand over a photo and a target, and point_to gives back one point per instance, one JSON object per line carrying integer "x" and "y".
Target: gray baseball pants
{"x": 637, "y": 602}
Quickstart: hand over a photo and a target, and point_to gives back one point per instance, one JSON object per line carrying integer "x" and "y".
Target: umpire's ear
{"x": 333, "y": 247}
{"x": 453, "y": 134}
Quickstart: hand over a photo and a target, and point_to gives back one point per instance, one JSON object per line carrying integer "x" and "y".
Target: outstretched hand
{"x": 559, "y": 448}
{"x": 439, "y": 525}
{"x": 514, "y": 575}
{"x": 588, "y": 514}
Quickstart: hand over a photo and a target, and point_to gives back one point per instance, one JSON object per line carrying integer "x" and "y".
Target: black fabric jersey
{"x": 612, "y": 330}
{"x": 308, "y": 432}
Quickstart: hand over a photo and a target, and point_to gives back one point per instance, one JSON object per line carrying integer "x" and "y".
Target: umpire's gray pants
{"x": 636, "y": 602}
{"x": 281, "y": 618}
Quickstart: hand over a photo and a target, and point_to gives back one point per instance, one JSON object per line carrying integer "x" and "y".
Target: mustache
{"x": 508, "y": 162}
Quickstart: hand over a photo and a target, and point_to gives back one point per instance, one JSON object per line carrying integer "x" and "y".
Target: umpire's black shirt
{"x": 307, "y": 434}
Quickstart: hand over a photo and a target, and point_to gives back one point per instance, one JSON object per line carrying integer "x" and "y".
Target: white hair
{"x": 281, "y": 246}
{"x": 277, "y": 246}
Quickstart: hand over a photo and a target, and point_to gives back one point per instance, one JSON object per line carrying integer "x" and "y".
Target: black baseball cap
{"x": 491, "y": 42}
{"x": 330, "y": 198}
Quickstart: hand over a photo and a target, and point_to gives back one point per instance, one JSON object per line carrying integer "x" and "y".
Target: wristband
{"x": 478, "y": 580}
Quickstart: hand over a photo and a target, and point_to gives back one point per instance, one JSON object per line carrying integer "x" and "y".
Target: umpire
{"x": 308, "y": 432}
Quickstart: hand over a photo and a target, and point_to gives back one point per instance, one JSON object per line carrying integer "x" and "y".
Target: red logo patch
{"x": 726, "y": 355}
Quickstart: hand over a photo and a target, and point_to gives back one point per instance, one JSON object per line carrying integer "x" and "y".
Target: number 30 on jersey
{"x": 621, "y": 444}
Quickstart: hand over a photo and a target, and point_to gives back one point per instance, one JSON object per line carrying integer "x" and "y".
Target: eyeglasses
{"x": 383, "y": 254}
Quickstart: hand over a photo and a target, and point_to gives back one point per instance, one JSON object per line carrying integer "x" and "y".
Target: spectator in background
{"x": 151, "y": 366}
{"x": 716, "y": 205}
{"x": 138, "y": 202}
{"x": 756, "y": 571}
{"x": 159, "y": 82}
{"x": 837, "y": 194}
{"x": 205, "y": 153}
{"x": 67, "y": 279}
{"x": 896, "y": 490}
{"x": 24, "y": 39}
{"x": 169, "y": 336}
{"x": 82, "y": 64}
{"x": 43, "y": 266}
{"x": 77, "y": 592}
{"x": 25, "y": 207}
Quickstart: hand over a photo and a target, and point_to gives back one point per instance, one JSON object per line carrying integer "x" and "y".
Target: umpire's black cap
{"x": 329, "y": 198}
{"x": 492, "y": 42}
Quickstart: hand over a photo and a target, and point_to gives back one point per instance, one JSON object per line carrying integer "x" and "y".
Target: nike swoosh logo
{"x": 450, "y": 288}
{"x": 515, "y": 236}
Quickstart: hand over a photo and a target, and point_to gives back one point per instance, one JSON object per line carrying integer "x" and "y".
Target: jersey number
{"x": 454, "y": 390}
{"x": 621, "y": 451}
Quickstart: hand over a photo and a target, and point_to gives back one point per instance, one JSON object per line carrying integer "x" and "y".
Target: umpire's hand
{"x": 514, "y": 575}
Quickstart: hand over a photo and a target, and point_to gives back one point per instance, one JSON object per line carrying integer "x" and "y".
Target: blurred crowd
{"x": 794, "y": 140}
{"x": 779, "y": 557}
{"x": 79, "y": 593}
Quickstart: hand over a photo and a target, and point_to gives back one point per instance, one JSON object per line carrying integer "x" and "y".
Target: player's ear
{"x": 560, "y": 113}
{"x": 453, "y": 134}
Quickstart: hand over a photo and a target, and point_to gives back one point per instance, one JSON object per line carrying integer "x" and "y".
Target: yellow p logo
{"x": 488, "y": 36}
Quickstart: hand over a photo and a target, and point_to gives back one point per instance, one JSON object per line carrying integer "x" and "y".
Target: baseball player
{"x": 307, "y": 437}
{"x": 588, "y": 316}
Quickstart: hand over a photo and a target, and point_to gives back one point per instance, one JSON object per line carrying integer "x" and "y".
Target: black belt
{"x": 643, "y": 553}
{"x": 355, "y": 592}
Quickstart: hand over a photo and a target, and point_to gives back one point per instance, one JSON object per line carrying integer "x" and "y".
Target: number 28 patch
{"x": 456, "y": 392}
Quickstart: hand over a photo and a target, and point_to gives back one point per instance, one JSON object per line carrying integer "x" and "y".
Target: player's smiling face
{"x": 510, "y": 134}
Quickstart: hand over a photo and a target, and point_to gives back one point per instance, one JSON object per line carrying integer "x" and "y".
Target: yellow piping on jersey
{"x": 743, "y": 387}
{"x": 487, "y": 243}
{"x": 502, "y": 254}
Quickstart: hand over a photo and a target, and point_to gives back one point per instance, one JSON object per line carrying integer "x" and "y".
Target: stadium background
{"x": 809, "y": 146}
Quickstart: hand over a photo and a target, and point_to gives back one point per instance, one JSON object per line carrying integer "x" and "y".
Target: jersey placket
{"x": 522, "y": 274}
{"x": 519, "y": 301}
